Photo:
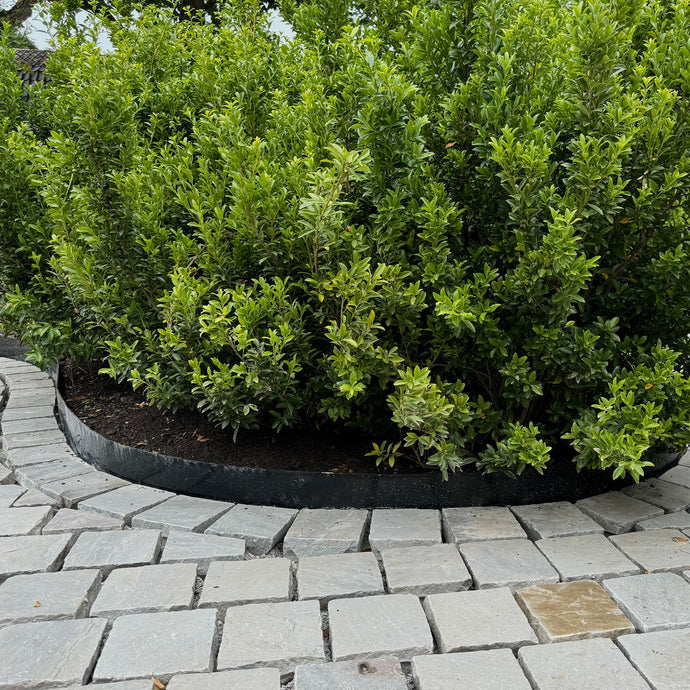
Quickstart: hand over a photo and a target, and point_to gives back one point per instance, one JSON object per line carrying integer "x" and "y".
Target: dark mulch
{"x": 123, "y": 415}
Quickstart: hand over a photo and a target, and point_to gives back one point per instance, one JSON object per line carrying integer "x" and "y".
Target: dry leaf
{"x": 452, "y": 143}
{"x": 157, "y": 683}
{"x": 648, "y": 386}
{"x": 37, "y": 604}
{"x": 680, "y": 539}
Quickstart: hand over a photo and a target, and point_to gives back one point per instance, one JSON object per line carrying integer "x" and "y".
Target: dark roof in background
{"x": 31, "y": 66}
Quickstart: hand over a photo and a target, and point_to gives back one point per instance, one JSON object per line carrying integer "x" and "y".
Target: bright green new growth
{"x": 460, "y": 226}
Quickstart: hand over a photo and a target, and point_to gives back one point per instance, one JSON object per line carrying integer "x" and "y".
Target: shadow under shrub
{"x": 461, "y": 227}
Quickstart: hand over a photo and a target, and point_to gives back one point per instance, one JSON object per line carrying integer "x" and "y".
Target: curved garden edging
{"x": 294, "y": 489}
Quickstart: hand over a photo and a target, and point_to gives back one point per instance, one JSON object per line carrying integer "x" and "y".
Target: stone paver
{"x": 366, "y": 674}
{"x": 31, "y": 424}
{"x": 656, "y": 550}
{"x": 158, "y": 644}
{"x": 586, "y": 557}
{"x": 146, "y": 589}
{"x": 480, "y": 524}
{"x": 389, "y": 625}
{"x": 45, "y": 596}
{"x": 656, "y": 601}
{"x": 37, "y": 553}
{"x": 677, "y": 475}
{"x": 423, "y": 570}
{"x": 181, "y": 512}
{"x": 559, "y": 519}
{"x": 281, "y": 635}
{"x": 679, "y": 520}
{"x": 321, "y": 532}
{"x": 202, "y": 549}
{"x": 6, "y": 475}
{"x": 108, "y": 550}
{"x": 483, "y": 619}
{"x": 250, "y": 679}
{"x": 49, "y": 653}
{"x": 26, "y": 439}
{"x": 146, "y": 684}
{"x": 233, "y": 583}
{"x": 572, "y": 611}
{"x": 22, "y": 521}
{"x": 659, "y": 493}
{"x": 261, "y": 527}
{"x": 484, "y": 670}
{"x": 338, "y": 575}
{"x": 510, "y": 563}
{"x": 31, "y": 398}
{"x": 38, "y": 455}
{"x": 34, "y": 497}
{"x": 36, "y": 476}
{"x": 391, "y": 528}
{"x": 76, "y": 522}
{"x": 125, "y": 502}
{"x": 40, "y": 412}
{"x": 595, "y": 664}
{"x": 616, "y": 512}
{"x": 9, "y": 493}
{"x": 72, "y": 490}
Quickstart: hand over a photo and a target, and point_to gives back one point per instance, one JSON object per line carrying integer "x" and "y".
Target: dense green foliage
{"x": 460, "y": 226}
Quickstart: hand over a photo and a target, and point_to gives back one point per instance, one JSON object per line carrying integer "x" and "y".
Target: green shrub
{"x": 460, "y": 226}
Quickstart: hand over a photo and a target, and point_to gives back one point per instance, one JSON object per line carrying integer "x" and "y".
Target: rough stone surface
{"x": 76, "y": 522}
{"x": 480, "y": 524}
{"x": 36, "y": 553}
{"x": 484, "y": 619}
{"x": 49, "y": 653}
{"x": 281, "y": 635}
{"x": 125, "y": 502}
{"x": 250, "y": 679}
{"x": 586, "y": 557}
{"x": 679, "y": 520}
{"x": 35, "y": 476}
{"x": 24, "y": 457}
{"x": 261, "y": 527}
{"x": 484, "y": 670}
{"x": 183, "y": 513}
{"x": 28, "y": 439}
{"x": 72, "y": 490}
{"x": 661, "y": 657}
{"x": 656, "y": 601}
{"x": 19, "y": 426}
{"x": 30, "y": 398}
{"x": 391, "y": 528}
{"x": 320, "y": 532}
{"x": 45, "y": 596}
{"x": 21, "y": 521}
{"x": 232, "y": 583}
{"x": 9, "y": 493}
{"x": 34, "y": 497}
{"x": 390, "y": 625}
{"x": 595, "y": 664}
{"x": 616, "y": 512}
{"x": 202, "y": 549}
{"x": 146, "y": 684}
{"x": 146, "y": 589}
{"x": 677, "y": 475}
{"x": 659, "y": 493}
{"x": 28, "y": 413}
{"x": 158, "y": 644}
{"x": 572, "y": 611}
{"x": 6, "y": 475}
{"x": 338, "y": 575}
{"x": 656, "y": 550}
{"x": 559, "y": 519}
{"x": 423, "y": 570}
{"x": 108, "y": 550}
{"x": 363, "y": 674}
{"x": 508, "y": 563}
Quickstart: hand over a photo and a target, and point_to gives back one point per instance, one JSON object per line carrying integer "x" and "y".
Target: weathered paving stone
{"x": 507, "y": 563}
{"x": 677, "y": 475}
{"x": 37, "y": 553}
{"x": 32, "y": 424}
{"x": 32, "y": 382}
{"x": 146, "y": 589}
{"x": 661, "y": 657}
{"x": 423, "y": 570}
{"x": 659, "y": 493}
{"x": 202, "y": 549}
{"x": 656, "y": 550}
{"x": 656, "y": 601}
{"x": 480, "y": 524}
{"x": 280, "y": 635}
{"x": 595, "y": 664}
{"x": 23, "y": 457}
{"x": 183, "y": 513}
{"x": 559, "y": 519}
{"x": 249, "y": 679}
{"x": 392, "y": 527}
{"x": 71, "y": 490}
{"x": 232, "y": 583}
{"x": 586, "y": 557}
{"x": 483, "y": 619}
{"x": 146, "y": 684}
{"x": 31, "y": 398}
{"x": 49, "y": 653}
{"x": 572, "y": 611}
{"x": 679, "y": 520}
{"x": 125, "y": 502}
{"x": 36, "y": 476}
{"x": 321, "y": 532}
{"x": 390, "y": 625}
{"x": 33, "y": 438}
{"x": 158, "y": 644}
{"x": 616, "y": 512}
{"x": 45, "y": 596}
{"x": 21, "y": 521}
{"x": 108, "y": 550}
{"x": 34, "y": 497}
{"x": 482, "y": 670}
{"x": 261, "y": 527}
{"x": 9, "y": 493}
{"x": 338, "y": 575}
{"x": 363, "y": 674}
{"x": 6, "y": 475}
{"x": 76, "y": 522}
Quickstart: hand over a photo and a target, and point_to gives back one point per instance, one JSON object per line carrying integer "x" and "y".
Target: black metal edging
{"x": 293, "y": 489}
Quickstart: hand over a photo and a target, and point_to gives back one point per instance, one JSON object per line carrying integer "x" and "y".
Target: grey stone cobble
{"x": 38, "y": 455}
{"x": 483, "y": 619}
{"x": 71, "y": 490}
{"x": 677, "y": 475}
{"x": 616, "y": 512}
{"x": 22, "y": 521}
{"x": 363, "y": 674}
{"x": 558, "y": 519}
{"x": 391, "y": 528}
{"x": 28, "y": 439}
{"x": 36, "y": 476}
{"x": 6, "y": 475}
{"x": 480, "y": 524}
{"x": 27, "y": 413}
{"x": 9, "y": 493}
{"x": 76, "y": 522}
{"x": 37, "y": 553}
{"x": 321, "y": 532}
{"x": 34, "y": 497}
{"x": 250, "y": 679}
{"x": 181, "y": 512}
{"x": 668, "y": 496}
{"x": 146, "y": 684}
{"x": 31, "y": 424}
{"x": 679, "y": 520}
{"x": 202, "y": 549}
{"x": 656, "y": 550}
{"x": 126, "y": 502}
{"x": 30, "y": 398}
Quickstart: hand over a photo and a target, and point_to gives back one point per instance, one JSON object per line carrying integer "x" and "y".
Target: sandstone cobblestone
{"x": 23, "y": 521}
{"x": 363, "y": 674}
{"x": 322, "y": 532}
{"x": 480, "y": 524}
{"x": 9, "y": 493}
{"x": 34, "y": 497}
{"x": 679, "y": 520}
{"x": 252, "y": 679}
{"x": 76, "y": 522}
{"x": 71, "y": 490}
{"x": 391, "y": 528}
{"x": 660, "y": 493}
{"x": 616, "y": 512}
{"x": 559, "y": 519}
{"x": 125, "y": 502}
{"x": 181, "y": 512}
{"x": 656, "y": 550}
{"x": 202, "y": 549}
{"x": 677, "y": 475}
{"x": 37, "y": 553}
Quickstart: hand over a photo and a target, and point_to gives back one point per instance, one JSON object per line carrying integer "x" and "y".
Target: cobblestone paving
{"x": 111, "y": 585}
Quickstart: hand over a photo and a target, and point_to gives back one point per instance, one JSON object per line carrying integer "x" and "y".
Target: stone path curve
{"x": 107, "y": 584}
